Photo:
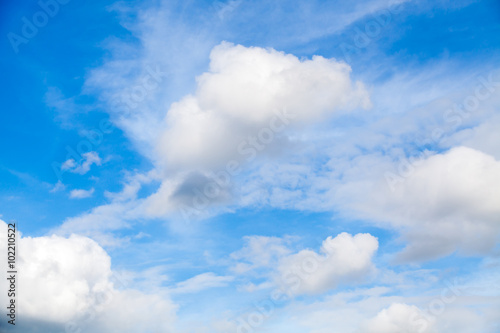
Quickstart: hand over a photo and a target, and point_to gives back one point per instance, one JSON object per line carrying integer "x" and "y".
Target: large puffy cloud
{"x": 182, "y": 55}
{"x": 246, "y": 105}
{"x": 68, "y": 282}
{"x": 345, "y": 258}
{"x": 243, "y": 91}
{"x": 441, "y": 203}
{"x": 67, "y": 271}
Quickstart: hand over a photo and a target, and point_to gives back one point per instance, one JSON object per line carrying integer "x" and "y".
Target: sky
{"x": 251, "y": 166}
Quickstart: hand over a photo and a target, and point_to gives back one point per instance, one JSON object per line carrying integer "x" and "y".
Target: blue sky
{"x": 204, "y": 153}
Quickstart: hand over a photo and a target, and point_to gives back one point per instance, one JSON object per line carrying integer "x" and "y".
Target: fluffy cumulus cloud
{"x": 441, "y": 203}
{"x": 246, "y": 90}
{"x": 75, "y": 275}
{"x": 345, "y": 258}
{"x": 243, "y": 107}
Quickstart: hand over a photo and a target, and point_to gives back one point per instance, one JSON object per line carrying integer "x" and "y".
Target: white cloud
{"x": 343, "y": 259}
{"x": 81, "y": 194}
{"x": 59, "y": 186}
{"x": 442, "y": 203}
{"x": 484, "y": 137}
{"x": 180, "y": 61}
{"x": 237, "y": 98}
{"x": 260, "y": 251}
{"x": 202, "y": 282}
{"x": 65, "y": 108}
{"x": 380, "y": 309}
{"x": 83, "y": 166}
{"x": 101, "y": 222}
{"x": 241, "y": 94}
{"x": 133, "y": 311}
{"x": 398, "y": 318}
{"x": 244, "y": 106}
{"x": 69, "y": 281}
{"x": 68, "y": 164}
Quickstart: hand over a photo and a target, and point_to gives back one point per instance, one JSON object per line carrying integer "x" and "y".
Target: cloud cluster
{"x": 243, "y": 107}
{"x": 68, "y": 282}
{"x": 345, "y": 258}
{"x": 384, "y": 309}
{"x": 438, "y": 202}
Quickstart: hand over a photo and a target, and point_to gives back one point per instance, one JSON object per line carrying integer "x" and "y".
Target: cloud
{"x": 242, "y": 92}
{"x": 456, "y": 198}
{"x": 483, "y": 137}
{"x": 66, "y": 271}
{"x": 59, "y": 186}
{"x": 441, "y": 203}
{"x": 202, "y": 282}
{"x": 81, "y": 194}
{"x": 398, "y": 318}
{"x": 243, "y": 107}
{"x": 134, "y": 311}
{"x": 102, "y": 221}
{"x": 342, "y": 259}
{"x": 83, "y": 166}
{"x": 69, "y": 281}
{"x": 65, "y": 108}
{"x": 122, "y": 212}
{"x": 156, "y": 45}
{"x": 260, "y": 251}
{"x": 438, "y": 202}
